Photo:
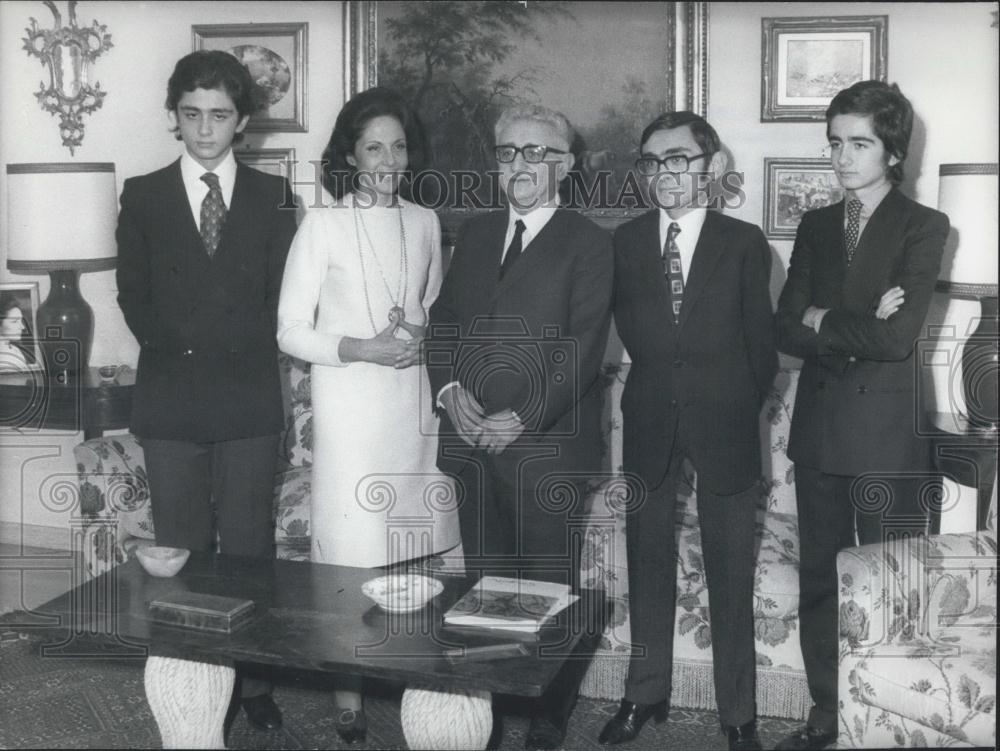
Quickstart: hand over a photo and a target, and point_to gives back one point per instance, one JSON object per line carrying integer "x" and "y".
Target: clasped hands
{"x": 493, "y": 432}
{"x": 386, "y": 349}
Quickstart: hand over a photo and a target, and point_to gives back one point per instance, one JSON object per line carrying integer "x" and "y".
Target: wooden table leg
{"x": 189, "y": 700}
{"x": 446, "y": 719}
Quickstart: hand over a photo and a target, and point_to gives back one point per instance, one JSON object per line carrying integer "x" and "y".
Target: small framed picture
{"x": 793, "y": 187}
{"x": 279, "y": 162}
{"x": 276, "y": 55}
{"x": 806, "y": 61}
{"x": 19, "y": 350}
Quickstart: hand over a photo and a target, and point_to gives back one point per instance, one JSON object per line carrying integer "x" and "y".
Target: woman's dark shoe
{"x": 350, "y": 724}
{"x": 262, "y": 712}
{"x": 744, "y": 737}
{"x": 625, "y": 725}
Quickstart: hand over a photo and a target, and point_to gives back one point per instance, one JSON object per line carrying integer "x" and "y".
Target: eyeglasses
{"x": 532, "y": 153}
{"x": 676, "y": 163}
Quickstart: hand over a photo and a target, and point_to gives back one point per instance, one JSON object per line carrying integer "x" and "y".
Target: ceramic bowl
{"x": 108, "y": 372}
{"x": 402, "y": 593}
{"x": 160, "y": 561}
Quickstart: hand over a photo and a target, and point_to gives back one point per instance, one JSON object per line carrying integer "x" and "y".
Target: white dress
{"x": 377, "y": 495}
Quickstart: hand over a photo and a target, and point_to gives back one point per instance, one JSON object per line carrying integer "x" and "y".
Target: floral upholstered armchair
{"x": 918, "y": 642}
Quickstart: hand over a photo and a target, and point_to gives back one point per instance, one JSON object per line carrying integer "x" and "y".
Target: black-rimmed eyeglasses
{"x": 532, "y": 153}
{"x": 676, "y": 163}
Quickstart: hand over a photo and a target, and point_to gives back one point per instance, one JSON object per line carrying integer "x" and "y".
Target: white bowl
{"x": 402, "y": 593}
{"x": 161, "y": 561}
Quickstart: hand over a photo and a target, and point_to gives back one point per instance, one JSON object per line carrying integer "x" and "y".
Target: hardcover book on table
{"x": 511, "y": 604}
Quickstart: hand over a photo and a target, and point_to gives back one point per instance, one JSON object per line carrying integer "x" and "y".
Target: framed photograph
{"x": 276, "y": 55}
{"x": 791, "y": 188}
{"x": 19, "y": 349}
{"x": 805, "y": 61}
{"x": 609, "y": 67}
{"x": 279, "y": 162}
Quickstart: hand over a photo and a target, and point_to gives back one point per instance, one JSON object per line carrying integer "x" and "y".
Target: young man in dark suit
{"x": 859, "y": 284}
{"x": 517, "y": 336}
{"x": 693, "y": 309}
{"x": 201, "y": 251}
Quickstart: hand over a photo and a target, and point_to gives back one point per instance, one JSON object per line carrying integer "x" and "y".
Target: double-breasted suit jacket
{"x": 856, "y": 400}
{"x": 703, "y": 380}
{"x": 206, "y": 326}
{"x": 532, "y": 342}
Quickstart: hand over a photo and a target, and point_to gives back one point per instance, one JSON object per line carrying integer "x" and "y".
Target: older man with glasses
{"x": 693, "y": 309}
{"x": 516, "y": 339}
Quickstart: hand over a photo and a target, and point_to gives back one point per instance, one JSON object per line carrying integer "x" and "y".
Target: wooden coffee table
{"x": 314, "y": 617}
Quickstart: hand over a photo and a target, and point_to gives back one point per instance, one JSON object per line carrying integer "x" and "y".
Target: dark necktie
{"x": 853, "y": 228}
{"x": 213, "y": 213}
{"x": 514, "y": 249}
{"x": 673, "y": 270}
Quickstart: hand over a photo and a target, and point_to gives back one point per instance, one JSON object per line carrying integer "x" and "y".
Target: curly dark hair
{"x": 214, "y": 69}
{"x": 339, "y": 177}
{"x": 891, "y": 114}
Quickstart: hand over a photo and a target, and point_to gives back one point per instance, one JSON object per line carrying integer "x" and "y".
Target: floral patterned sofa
{"x": 115, "y": 519}
{"x": 918, "y": 642}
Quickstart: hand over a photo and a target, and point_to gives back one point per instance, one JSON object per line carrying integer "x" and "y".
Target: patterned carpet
{"x": 48, "y": 702}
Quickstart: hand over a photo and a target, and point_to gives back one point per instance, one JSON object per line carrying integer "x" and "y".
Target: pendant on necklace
{"x": 396, "y": 314}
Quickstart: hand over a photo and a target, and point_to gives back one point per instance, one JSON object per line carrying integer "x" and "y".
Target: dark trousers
{"x": 521, "y": 522}
{"x": 226, "y": 488}
{"x": 728, "y": 538}
{"x": 830, "y": 509}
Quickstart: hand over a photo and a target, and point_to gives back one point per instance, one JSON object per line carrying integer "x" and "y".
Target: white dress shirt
{"x": 690, "y": 224}
{"x": 197, "y": 189}
{"x": 534, "y": 221}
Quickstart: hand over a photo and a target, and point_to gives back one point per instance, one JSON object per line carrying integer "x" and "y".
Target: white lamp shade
{"x": 61, "y": 216}
{"x": 967, "y": 193}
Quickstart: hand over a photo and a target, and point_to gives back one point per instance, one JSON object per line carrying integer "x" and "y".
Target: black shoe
{"x": 262, "y": 712}
{"x": 625, "y": 725}
{"x": 808, "y": 737}
{"x": 744, "y": 737}
{"x": 351, "y": 725}
{"x": 545, "y": 732}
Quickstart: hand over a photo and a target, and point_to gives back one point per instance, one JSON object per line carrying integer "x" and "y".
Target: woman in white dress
{"x": 360, "y": 277}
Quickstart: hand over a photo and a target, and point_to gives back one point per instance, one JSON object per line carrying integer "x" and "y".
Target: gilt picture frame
{"x": 276, "y": 55}
{"x": 806, "y": 60}
{"x": 793, "y": 187}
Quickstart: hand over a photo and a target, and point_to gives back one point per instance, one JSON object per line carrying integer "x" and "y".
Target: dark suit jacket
{"x": 532, "y": 342}
{"x": 208, "y": 365}
{"x": 853, "y": 417}
{"x": 703, "y": 380}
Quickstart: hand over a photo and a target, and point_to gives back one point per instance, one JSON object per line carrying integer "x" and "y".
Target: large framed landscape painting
{"x": 805, "y": 61}
{"x": 610, "y": 67}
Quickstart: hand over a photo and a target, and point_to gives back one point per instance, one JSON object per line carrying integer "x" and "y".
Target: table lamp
{"x": 61, "y": 219}
{"x": 968, "y": 195}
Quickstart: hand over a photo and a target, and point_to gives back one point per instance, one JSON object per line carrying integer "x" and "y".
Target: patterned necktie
{"x": 853, "y": 228}
{"x": 673, "y": 270}
{"x": 514, "y": 249}
{"x": 213, "y": 213}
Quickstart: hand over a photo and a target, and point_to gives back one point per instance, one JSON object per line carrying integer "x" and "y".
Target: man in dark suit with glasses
{"x": 693, "y": 309}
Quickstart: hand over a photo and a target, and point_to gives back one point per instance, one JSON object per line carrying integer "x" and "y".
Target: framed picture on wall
{"x": 19, "y": 351}
{"x": 279, "y": 162}
{"x": 791, "y": 188}
{"x": 276, "y": 55}
{"x": 609, "y": 67}
{"x": 805, "y": 61}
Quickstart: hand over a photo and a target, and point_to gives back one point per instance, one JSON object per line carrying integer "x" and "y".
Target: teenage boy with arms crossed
{"x": 201, "y": 251}
{"x": 859, "y": 284}
{"x": 693, "y": 309}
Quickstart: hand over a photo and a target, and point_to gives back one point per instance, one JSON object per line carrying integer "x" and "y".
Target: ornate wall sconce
{"x": 68, "y": 52}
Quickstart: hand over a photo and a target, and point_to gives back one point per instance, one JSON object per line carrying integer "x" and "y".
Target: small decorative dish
{"x": 402, "y": 593}
{"x": 162, "y": 561}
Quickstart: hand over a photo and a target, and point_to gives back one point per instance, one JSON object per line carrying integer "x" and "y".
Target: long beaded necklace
{"x": 397, "y": 313}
